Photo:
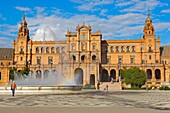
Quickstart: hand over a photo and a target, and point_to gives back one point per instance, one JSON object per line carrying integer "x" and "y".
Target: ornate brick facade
{"x": 85, "y": 52}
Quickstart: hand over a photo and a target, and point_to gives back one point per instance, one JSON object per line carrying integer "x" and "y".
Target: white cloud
{"x": 55, "y": 26}
{"x": 23, "y": 8}
{"x": 139, "y": 5}
{"x": 91, "y": 5}
{"x": 8, "y": 30}
{"x": 5, "y": 42}
{"x": 121, "y": 3}
{"x": 103, "y": 12}
{"x": 165, "y": 11}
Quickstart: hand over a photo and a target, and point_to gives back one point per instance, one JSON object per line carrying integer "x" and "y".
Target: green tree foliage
{"x": 25, "y": 71}
{"x": 134, "y": 76}
{"x": 12, "y": 71}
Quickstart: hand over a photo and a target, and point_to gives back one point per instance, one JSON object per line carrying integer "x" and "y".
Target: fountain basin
{"x": 58, "y": 87}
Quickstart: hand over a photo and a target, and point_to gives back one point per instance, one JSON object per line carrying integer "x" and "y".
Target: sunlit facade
{"x": 93, "y": 59}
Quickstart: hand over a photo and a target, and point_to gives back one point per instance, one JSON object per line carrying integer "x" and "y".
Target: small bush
{"x": 134, "y": 88}
{"x": 88, "y": 86}
{"x": 164, "y": 88}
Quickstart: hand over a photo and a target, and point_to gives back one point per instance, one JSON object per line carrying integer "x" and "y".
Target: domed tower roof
{"x": 148, "y": 28}
{"x": 148, "y": 19}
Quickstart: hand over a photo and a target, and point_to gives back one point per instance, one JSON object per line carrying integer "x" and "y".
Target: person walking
{"x": 107, "y": 87}
{"x": 98, "y": 85}
{"x": 13, "y": 87}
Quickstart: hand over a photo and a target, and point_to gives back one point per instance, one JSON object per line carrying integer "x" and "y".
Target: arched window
{"x": 111, "y": 49}
{"x": 58, "y": 50}
{"x": 93, "y": 47}
{"x": 74, "y": 58}
{"x": 42, "y": 50}
{"x": 117, "y": 49}
{"x": 37, "y": 50}
{"x": 63, "y": 50}
{"x": 47, "y": 50}
{"x": 52, "y": 50}
{"x": 73, "y": 47}
{"x": 93, "y": 58}
{"x": 133, "y": 49}
{"x": 83, "y": 46}
{"x": 122, "y": 49}
{"x": 82, "y": 58}
{"x": 127, "y": 49}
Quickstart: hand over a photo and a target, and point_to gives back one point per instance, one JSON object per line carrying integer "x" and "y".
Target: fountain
{"x": 52, "y": 80}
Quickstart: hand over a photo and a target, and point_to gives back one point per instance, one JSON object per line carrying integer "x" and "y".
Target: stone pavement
{"x": 151, "y": 100}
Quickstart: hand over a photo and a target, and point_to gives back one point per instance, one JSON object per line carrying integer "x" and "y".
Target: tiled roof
{"x": 165, "y": 51}
{"x": 6, "y": 53}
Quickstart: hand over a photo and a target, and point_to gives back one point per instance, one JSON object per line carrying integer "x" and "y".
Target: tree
{"x": 25, "y": 71}
{"x": 12, "y": 71}
{"x": 134, "y": 76}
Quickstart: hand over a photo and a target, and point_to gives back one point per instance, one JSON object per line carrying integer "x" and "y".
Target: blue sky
{"x": 117, "y": 19}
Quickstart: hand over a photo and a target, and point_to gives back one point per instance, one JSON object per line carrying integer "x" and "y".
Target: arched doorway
{"x": 149, "y": 74}
{"x": 54, "y": 72}
{"x": 105, "y": 76}
{"x": 157, "y": 74}
{"x": 113, "y": 75}
{"x": 38, "y": 74}
{"x": 78, "y": 76}
{"x": 31, "y": 73}
{"x": 46, "y": 74}
{"x": 92, "y": 79}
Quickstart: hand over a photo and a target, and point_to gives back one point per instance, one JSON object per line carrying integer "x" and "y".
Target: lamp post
{"x": 97, "y": 71}
{"x": 119, "y": 67}
{"x": 29, "y": 64}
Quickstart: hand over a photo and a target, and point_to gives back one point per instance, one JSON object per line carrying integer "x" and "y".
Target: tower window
{"x": 2, "y": 63}
{"x": 73, "y": 47}
{"x": 21, "y": 59}
{"x": 74, "y": 58}
{"x": 94, "y": 47}
{"x": 93, "y": 58}
{"x": 150, "y": 49}
{"x": 82, "y": 58}
{"x": 150, "y": 57}
{"x": 83, "y": 46}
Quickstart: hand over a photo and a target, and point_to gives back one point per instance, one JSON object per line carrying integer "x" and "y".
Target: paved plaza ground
{"x": 93, "y": 102}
